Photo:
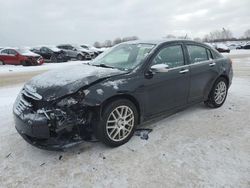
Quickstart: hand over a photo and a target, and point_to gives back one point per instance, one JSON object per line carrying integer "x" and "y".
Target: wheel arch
{"x": 207, "y": 92}
{"x": 225, "y": 77}
{"x": 123, "y": 96}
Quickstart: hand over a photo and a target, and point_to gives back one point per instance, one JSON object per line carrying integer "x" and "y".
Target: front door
{"x": 167, "y": 90}
{"x": 13, "y": 57}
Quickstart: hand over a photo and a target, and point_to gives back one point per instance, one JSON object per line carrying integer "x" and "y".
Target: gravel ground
{"x": 198, "y": 147}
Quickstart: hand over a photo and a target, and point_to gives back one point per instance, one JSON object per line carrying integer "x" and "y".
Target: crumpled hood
{"x": 58, "y": 83}
{"x": 30, "y": 54}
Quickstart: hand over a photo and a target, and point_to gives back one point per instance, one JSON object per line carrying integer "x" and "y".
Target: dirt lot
{"x": 198, "y": 147}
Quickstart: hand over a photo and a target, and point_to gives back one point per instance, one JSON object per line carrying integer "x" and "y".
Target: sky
{"x": 37, "y": 22}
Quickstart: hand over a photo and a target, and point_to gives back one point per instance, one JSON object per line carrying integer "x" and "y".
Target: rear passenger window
{"x": 197, "y": 53}
{"x": 171, "y": 56}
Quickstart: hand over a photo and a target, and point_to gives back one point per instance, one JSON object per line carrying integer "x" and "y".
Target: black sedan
{"x": 51, "y": 54}
{"x": 246, "y": 47}
{"x": 123, "y": 87}
{"x": 222, "y": 48}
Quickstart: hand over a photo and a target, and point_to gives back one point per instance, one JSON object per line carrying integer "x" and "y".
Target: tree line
{"x": 110, "y": 43}
{"x": 214, "y": 36}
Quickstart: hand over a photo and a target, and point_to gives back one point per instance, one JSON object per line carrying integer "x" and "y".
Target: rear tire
{"x": 218, "y": 94}
{"x": 118, "y": 123}
{"x": 79, "y": 57}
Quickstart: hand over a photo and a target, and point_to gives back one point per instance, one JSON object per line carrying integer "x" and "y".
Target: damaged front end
{"x": 52, "y": 125}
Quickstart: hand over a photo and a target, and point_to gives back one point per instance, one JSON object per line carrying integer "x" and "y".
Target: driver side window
{"x": 5, "y": 51}
{"x": 171, "y": 56}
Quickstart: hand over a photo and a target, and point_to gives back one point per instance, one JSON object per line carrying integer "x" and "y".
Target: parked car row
{"x": 16, "y": 56}
{"x": 45, "y": 53}
{"x": 228, "y": 46}
{"x": 51, "y": 53}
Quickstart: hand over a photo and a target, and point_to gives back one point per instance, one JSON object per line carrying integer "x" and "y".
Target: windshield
{"x": 124, "y": 56}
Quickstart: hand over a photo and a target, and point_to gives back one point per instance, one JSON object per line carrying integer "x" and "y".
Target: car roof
{"x": 161, "y": 41}
{"x": 10, "y": 48}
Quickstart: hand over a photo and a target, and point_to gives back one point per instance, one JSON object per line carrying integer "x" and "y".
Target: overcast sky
{"x": 33, "y": 22}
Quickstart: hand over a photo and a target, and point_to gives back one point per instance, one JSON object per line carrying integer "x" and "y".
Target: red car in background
{"x": 15, "y": 56}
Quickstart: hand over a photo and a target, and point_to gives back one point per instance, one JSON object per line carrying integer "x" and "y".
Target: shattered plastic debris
{"x": 143, "y": 133}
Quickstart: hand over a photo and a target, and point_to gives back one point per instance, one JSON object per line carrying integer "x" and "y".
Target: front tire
{"x": 53, "y": 59}
{"x": 26, "y": 63}
{"x": 218, "y": 93}
{"x": 118, "y": 123}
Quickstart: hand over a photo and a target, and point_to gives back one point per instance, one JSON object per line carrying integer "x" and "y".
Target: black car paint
{"x": 51, "y": 55}
{"x": 144, "y": 88}
{"x": 246, "y": 47}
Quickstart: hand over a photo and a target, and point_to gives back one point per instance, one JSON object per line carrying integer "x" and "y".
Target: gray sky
{"x": 34, "y": 22}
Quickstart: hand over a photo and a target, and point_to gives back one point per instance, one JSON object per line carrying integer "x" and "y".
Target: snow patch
{"x": 99, "y": 91}
{"x": 72, "y": 75}
{"x": 114, "y": 84}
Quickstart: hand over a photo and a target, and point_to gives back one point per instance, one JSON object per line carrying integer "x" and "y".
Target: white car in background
{"x": 95, "y": 50}
{"x": 222, "y": 48}
{"x": 76, "y": 52}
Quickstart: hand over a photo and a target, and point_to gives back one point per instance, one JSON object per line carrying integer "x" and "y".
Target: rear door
{"x": 203, "y": 71}
{"x": 167, "y": 90}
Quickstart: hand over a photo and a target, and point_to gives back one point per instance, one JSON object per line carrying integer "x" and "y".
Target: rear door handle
{"x": 212, "y": 64}
{"x": 184, "y": 71}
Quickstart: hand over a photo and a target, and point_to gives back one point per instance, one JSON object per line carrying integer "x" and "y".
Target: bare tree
{"x": 170, "y": 36}
{"x": 247, "y": 33}
{"x": 117, "y": 41}
{"x": 97, "y": 45}
{"x": 197, "y": 39}
{"x": 107, "y": 43}
{"x": 125, "y": 39}
{"x": 219, "y": 35}
{"x": 226, "y": 34}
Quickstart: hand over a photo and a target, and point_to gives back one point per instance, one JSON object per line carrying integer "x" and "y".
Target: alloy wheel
{"x": 120, "y": 123}
{"x": 220, "y": 92}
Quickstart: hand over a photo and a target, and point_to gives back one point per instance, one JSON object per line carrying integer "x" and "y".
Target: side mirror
{"x": 160, "y": 68}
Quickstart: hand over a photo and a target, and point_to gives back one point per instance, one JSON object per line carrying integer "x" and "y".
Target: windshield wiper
{"x": 103, "y": 65}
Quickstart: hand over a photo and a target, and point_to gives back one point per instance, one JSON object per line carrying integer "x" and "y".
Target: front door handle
{"x": 212, "y": 64}
{"x": 184, "y": 71}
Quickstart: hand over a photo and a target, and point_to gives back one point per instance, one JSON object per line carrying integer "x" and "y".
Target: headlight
{"x": 72, "y": 100}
